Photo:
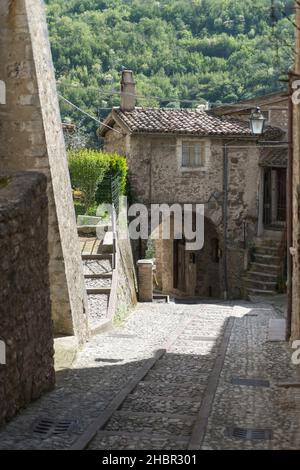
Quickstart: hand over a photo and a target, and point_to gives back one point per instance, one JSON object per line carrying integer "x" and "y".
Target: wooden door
{"x": 267, "y": 219}
{"x": 179, "y": 265}
{"x": 281, "y": 195}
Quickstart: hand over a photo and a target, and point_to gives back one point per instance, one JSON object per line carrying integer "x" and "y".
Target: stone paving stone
{"x": 152, "y": 423}
{"x": 179, "y": 377}
{"x": 250, "y": 355}
{"x": 98, "y": 369}
{"x": 159, "y": 404}
{"x": 98, "y": 304}
{"x": 175, "y": 389}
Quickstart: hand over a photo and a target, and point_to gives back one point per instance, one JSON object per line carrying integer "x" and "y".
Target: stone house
{"x": 180, "y": 156}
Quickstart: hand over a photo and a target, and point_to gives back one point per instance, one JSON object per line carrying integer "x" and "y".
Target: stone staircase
{"x": 97, "y": 258}
{"x": 262, "y": 275}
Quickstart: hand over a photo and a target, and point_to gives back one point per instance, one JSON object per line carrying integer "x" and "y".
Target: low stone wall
{"x": 25, "y": 308}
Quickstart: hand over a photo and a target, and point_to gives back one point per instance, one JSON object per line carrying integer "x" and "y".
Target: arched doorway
{"x": 197, "y": 273}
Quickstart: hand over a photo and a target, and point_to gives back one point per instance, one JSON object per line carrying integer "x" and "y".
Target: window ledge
{"x": 193, "y": 168}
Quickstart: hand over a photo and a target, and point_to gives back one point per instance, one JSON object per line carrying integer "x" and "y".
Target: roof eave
{"x": 193, "y": 134}
{"x": 108, "y": 123}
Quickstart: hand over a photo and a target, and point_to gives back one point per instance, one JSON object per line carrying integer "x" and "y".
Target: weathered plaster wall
{"x": 116, "y": 141}
{"x": 25, "y": 308}
{"x": 279, "y": 117}
{"x": 31, "y": 139}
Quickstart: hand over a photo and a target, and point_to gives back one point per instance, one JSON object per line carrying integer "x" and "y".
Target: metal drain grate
{"x": 249, "y": 434}
{"x": 47, "y": 427}
{"x": 247, "y": 382}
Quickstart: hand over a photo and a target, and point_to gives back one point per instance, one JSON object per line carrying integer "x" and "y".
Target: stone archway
{"x": 186, "y": 272}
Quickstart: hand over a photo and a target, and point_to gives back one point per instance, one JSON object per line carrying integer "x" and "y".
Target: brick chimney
{"x": 127, "y": 91}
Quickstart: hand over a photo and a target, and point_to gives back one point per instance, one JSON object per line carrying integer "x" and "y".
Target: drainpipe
{"x": 290, "y": 211}
{"x": 225, "y": 216}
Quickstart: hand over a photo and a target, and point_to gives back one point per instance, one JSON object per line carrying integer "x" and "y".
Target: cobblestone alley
{"x": 173, "y": 376}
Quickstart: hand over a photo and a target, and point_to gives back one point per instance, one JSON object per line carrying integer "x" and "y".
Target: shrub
{"x": 117, "y": 171}
{"x": 87, "y": 169}
{"x": 91, "y": 173}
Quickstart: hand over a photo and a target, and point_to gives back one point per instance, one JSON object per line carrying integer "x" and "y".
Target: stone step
{"x": 260, "y": 242}
{"x": 99, "y": 276}
{"x": 258, "y": 284}
{"x": 266, "y": 259}
{"x": 266, "y": 250}
{"x": 262, "y": 276}
{"x": 93, "y": 266}
{"x": 98, "y": 282}
{"x": 88, "y": 256}
{"x": 265, "y": 268}
{"x": 259, "y": 292}
{"x": 98, "y": 291}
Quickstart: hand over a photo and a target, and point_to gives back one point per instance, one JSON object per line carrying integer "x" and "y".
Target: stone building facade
{"x": 295, "y": 184}
{"x": 274, "y": 107}
{"x": 31, "y": 139}
{"x": 156, "y": 143}
{"x": 273, "y": 160}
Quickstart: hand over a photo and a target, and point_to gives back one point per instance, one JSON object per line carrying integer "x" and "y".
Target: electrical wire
{"x": 89, "y": 115}
{"x": 215, "y": 104}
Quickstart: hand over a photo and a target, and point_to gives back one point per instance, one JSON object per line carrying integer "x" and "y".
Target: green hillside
{"x": 181, "y": 51}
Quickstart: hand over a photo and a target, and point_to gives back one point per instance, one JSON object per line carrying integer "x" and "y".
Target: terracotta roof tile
{"x": 180, "y": 121}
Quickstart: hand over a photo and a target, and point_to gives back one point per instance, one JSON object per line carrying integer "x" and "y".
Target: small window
{"x": 192, "y": 154}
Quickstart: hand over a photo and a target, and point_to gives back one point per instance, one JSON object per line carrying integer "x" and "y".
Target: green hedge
{"x": 90, "y": 173}
{"x": 117, "y": 172}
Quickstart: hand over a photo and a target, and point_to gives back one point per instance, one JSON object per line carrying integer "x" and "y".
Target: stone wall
{"x": 126, "y": 289}
{"x": 31, "y": 138}
{"x": 295, "y": 320}
{"x": 25, "y": 308}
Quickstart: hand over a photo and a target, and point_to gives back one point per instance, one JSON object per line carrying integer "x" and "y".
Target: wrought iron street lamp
{"x": 257, "y": 122}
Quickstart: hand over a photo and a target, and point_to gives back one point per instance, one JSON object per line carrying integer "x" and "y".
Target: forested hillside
{"x": 181, "y": 51}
